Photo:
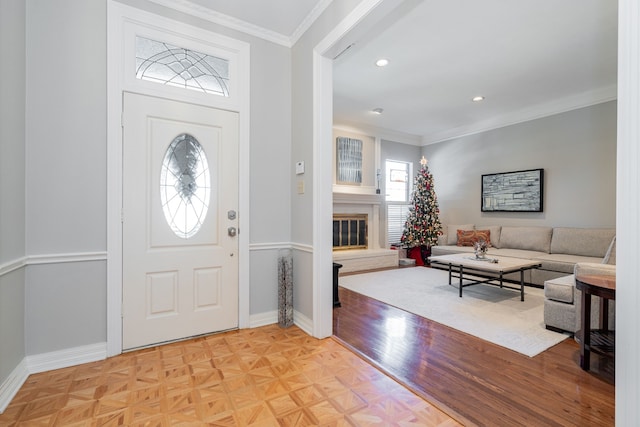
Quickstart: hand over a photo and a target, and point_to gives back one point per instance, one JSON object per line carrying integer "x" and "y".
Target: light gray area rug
{"x": 487, "y": 312}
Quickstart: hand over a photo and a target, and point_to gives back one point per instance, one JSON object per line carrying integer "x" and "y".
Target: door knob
{"x": 232, "y": 231}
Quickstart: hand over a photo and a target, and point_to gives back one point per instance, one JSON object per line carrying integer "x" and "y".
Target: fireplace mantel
{"x": 357, "y": 199}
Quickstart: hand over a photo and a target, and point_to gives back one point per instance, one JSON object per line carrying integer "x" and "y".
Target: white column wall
{"x": 628, "y": 217}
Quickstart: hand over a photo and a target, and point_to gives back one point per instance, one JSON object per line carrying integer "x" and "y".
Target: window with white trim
{"x": 397, "y": 194}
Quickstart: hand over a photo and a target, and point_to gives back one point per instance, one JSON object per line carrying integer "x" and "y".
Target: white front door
{"x": 180, "y": 197}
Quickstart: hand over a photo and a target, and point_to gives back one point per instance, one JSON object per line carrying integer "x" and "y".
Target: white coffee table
{"x": 466, "y": 265}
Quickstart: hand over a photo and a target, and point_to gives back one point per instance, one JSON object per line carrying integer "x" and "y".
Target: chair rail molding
{"x": 12, "y": 265}
{"x": 41, "y": 259}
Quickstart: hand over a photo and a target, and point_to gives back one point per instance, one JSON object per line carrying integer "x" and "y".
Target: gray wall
{"x": 66, "y": 126}
{"x": 65, "y": 306}
{"x": 576, "y": 149}
{"x": 390, "y": 150}
{"x": 302, "y": 150}
{"x": 66, "y": 172}
{"x": 270, "y": 162}
{"x": 12, "y": 186}
{"x": 12, "y": 333}
{"x": 66, "y": 169}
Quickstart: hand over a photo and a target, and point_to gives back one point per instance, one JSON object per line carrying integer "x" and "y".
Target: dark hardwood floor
{"x": 477, "y": 382}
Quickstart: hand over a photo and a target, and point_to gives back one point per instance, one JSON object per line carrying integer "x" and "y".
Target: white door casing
{"x": 176, "y": 287}
{"x": 119, "y": 48}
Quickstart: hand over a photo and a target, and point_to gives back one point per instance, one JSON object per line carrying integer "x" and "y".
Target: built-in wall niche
{"x": 354, "y": 162}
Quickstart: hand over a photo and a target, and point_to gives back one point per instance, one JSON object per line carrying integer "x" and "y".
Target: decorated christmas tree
{"x": 422, "y": 228}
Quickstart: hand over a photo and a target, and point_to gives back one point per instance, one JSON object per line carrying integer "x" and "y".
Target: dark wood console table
{"x": 601, "y": 341}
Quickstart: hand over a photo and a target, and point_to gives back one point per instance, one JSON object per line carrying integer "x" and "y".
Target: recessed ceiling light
{"x": 377, "y": 110}
{"x": 477, "y": 98}
{"x": 382, "y": 62}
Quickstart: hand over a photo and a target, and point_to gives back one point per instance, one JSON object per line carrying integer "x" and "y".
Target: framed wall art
{"x": 520, "y": 191}
{"x": 349, "y": 158}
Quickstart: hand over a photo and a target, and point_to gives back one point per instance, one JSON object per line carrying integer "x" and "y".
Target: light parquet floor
{"x": 266, "y": 376}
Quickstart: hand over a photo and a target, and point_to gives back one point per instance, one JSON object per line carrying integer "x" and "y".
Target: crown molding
{"x": 534, "y": 112}
{"x": 379, "y": 132}
{"x": 193, "y": 9}
{"x": 190, "y": 8}
{"x": 308, "y": 21}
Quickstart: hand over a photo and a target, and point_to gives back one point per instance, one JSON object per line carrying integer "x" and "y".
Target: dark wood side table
{"x": 601, "y": 341}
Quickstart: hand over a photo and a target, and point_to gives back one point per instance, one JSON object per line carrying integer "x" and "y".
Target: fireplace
{"x": 357, "y": 233}
{"x": 350, "y": 231}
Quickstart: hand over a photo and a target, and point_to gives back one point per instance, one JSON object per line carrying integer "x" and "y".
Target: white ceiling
{"x": 529, "y": 58}
{"x": 281, "y": 16}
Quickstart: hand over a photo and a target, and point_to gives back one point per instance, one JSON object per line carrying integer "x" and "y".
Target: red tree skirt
{"x": 416, "y": 253}
{"x": 420, "y": 254}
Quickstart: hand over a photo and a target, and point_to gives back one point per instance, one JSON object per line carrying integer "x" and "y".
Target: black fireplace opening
{"x": 349, "y": 231}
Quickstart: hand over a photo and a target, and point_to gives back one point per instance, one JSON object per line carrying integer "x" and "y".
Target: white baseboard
{"x": 67, "y": 357}
{"x": 303, "y": 322}
{"x": 11, "y": 385}
{"x": 271, "y": 317}
{"x": 47, "y": 362}
{"x": 94, "y": 352}
{"x": 263, "y": 319}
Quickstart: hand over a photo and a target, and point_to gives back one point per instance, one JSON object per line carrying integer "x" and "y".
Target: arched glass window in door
{"x": 185, "y": 186}
{"x": 176, "y": 66}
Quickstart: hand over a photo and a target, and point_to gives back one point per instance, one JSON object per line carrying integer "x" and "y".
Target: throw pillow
{"x": 452, "y": 237}
{"x": 470, "y": 237}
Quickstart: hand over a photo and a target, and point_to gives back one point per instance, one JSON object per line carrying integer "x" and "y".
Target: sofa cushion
{"x": 592, "y": 242}
{"x": 450, "y": 249}
{"x": 452, "y": 236}
{"x": 495, "y": 234}
{"x": 539, "y": 276}
{"x": 560, "y": 289}
{"x": 470, "y": 237}
{"x": 528, "y": 238}
{"x": 563, "y": 262}
{"x": 514, "y": 253}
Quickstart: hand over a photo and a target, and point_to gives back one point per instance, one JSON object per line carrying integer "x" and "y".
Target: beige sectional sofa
{"x": 562, "y": 251}
{"x": 558, "y": 249}
{"x": 562, "y": 300}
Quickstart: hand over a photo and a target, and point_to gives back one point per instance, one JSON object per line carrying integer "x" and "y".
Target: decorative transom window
{"x": 185, "y": 186}
{"x": 176, "y": 66}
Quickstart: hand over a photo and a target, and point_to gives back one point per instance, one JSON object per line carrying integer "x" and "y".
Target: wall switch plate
{"x": 300, "y": 187}
{"x": 299, "y": 168}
